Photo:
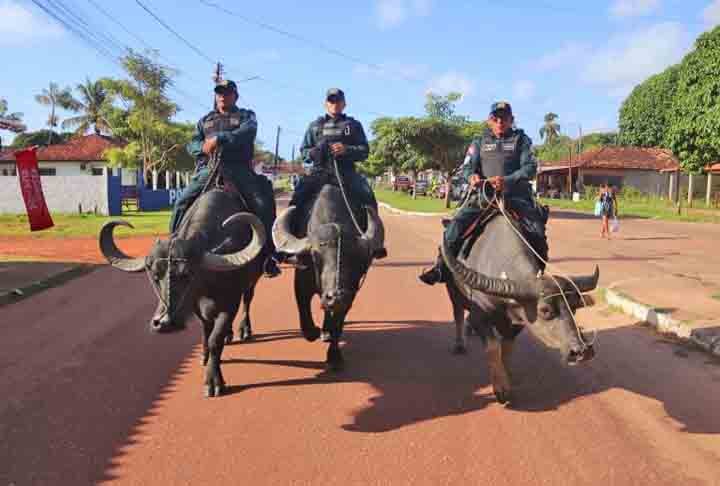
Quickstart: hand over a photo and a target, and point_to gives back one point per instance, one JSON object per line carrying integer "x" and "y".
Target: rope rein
{"x": 501, "y": 206}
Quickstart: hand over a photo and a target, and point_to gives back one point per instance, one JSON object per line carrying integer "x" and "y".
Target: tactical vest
{"x": 215, "y": 123}
{"x": 340, "y": 130}
{"x": 500, "y": 157}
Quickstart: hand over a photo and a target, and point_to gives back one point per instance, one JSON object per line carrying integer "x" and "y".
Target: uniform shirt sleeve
{"x": 472, "y": 164}
{"x": 308, "y": 142}
{"x": 528, "y": 164}
{"x": 194, "y": 148}
{"x": 243, "y": 135}
{"x": 359, "y": 149}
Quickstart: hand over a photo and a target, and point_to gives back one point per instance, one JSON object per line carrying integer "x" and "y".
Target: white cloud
{"x": 452, "y": 81}
{"x": 711, "y": 14}
{"x": 391, "y": 13}
{"x": 523, "y": 90}
{"x": 19, "y": 25}
{"x": 629, "y": 60}
{"x": 633, "y": 8}
{"x": 571, "y": 52}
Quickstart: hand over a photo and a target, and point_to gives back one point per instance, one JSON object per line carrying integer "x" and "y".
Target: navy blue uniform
{"x": 321, "y": 133}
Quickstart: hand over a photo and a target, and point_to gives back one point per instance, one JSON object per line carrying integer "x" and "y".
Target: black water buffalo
{"x": 502, "y": 284}
{"x": 333, "y": 258}
{"x": 206, "y": 268}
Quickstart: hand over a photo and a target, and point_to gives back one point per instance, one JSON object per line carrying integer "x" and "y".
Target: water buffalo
{"x": 207, "y": 267}
{"x": 333, "y": 258}
{"x": 502, "y": 284}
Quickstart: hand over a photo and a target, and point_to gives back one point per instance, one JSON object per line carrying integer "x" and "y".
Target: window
{"x": 9, "y": 172}
{"x": 47, "y": 171}
{"x": 96, "y": 171}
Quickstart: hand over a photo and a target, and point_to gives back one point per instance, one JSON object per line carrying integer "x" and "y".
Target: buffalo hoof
{"x": 246, "y": 334}
{"x": 459, "y": 349}
{"x": 229, "y": 337}
{"x": 325, "y": 337}
{"x": 311, "y": 334}
{"x": 212, "y": 391}
{"x": 503, "y": 396}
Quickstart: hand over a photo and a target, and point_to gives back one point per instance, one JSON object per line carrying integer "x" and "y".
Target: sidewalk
{"x": 19, "y": 279}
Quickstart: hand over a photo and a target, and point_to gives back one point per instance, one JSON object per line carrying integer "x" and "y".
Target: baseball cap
{"x": 336, "y": 92}
{"x": 501, "y": 106}
{"x": 225, "y": 85}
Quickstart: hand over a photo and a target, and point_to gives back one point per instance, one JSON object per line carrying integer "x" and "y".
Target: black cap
{"x": 337, "y": 92}
{"x": 225, "y": 85}
{"x": 501, "y": 106}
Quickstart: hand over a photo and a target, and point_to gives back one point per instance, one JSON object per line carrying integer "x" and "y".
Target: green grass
{"x": 650, "y": 209}
{"x": 86, "y": 225}
{"x": 716, "y": 296}
{"x": 402, "y": 200}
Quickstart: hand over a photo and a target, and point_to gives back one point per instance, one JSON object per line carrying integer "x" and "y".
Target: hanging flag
{"x": 31, "y": 187}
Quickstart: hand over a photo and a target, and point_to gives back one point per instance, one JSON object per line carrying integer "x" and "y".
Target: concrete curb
{"x": 663, "y": 322}
{"x": 409, "y": 213}
{"x": 27, "y": 290}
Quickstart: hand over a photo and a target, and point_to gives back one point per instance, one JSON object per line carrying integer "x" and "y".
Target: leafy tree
{"x": 143, "y": 117}
{"x": 40, "y": 137}
{"x": 695, "y": 113}
{"x": 645, "y": 115}
{"x": 550, "y": 131}
{"x": 93, "y": 106}
{"x": 54, "y": 97}
{"x": 443, "y": 107}
{"x": 4, "y": 113}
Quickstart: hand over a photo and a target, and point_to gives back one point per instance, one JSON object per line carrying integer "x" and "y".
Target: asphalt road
{"x": 90, "y": 396}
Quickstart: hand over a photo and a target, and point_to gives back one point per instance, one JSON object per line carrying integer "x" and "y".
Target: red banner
{"x": 29, "y": 176}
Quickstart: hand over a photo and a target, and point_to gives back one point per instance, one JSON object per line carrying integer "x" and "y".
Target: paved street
{"x": 93, "y": 397}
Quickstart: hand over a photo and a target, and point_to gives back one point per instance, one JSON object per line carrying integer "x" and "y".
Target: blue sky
{"x": 577, "y": 59}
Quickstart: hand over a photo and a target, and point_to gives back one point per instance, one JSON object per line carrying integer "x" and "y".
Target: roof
{"x": 87, "y": 148}
{"x": 714, "y": 168}
{"x": 619, "y": 158}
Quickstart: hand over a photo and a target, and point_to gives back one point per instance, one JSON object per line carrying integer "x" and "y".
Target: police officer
{"x": 335, "y": 137}
{"x": 503, "y": 158}
{"x": 231, "y": 131}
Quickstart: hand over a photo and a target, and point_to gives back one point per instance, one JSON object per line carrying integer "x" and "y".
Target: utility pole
{"x": 217, "y": 77}
{"x": 580, "y": 141}
{"x": 277, "y": 145}
{"x": 292, "y": 158}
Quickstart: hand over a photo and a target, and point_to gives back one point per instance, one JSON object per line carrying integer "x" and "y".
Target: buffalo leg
{"x": 206, "y": 330}
{"x": 498, "y": 374}
{"x": 459, "y": 318}
{"x": 334, "y": 323}
{"x": 245, "y": 324}
{"x": 221, "y": 321}
{"x": 304, "y": 292}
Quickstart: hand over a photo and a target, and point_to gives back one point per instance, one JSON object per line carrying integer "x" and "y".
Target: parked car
{"x": 401, "y": 183}
{"x": 420, "y": 188}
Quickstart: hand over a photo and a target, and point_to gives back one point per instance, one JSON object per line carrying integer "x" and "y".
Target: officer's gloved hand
{"x": 319, "y": 152}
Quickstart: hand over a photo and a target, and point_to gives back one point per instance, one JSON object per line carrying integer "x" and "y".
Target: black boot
{"x": 380, "y": 253}
{"x": 434, "y": 275}
{"x": 271, "y": 269}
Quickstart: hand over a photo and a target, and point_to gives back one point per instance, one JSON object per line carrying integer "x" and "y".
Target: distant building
{"x": 78, "y": 156}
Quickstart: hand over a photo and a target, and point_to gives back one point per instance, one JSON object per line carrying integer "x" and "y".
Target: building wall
{"x": 62, "y": 168}
{"x": 63, "y": 194}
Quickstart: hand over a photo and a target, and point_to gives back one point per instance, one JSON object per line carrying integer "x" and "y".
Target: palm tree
{"x": 53, "y": 96}
{"x": 92, "y": 105}
{"x": 551, "y": 129}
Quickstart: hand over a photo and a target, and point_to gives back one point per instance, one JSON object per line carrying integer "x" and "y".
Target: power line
{"x": 297, "y": 37}
{"x": 115, "y": 20}
{"x": 174, "y": 32}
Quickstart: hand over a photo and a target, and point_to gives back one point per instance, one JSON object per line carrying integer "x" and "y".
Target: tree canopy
{"x": 695, "y": 114}
{"x": 646, "y": 113}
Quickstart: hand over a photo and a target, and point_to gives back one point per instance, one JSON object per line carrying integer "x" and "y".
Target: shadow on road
{"x": 417, "y": 378}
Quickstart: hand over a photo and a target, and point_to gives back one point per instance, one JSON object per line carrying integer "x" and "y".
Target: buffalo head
{"x": 542, "y": 301}
{"x": 339, "y": 258}
{"x": 173, "y": 265}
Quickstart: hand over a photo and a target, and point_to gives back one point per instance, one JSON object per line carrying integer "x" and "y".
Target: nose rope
{"x": 156, "y": 288}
